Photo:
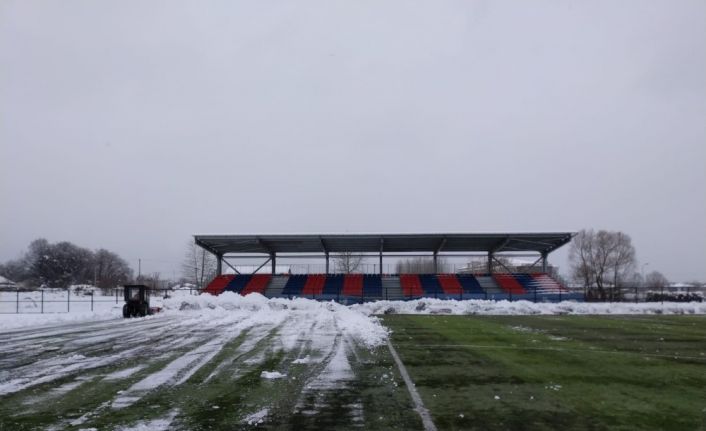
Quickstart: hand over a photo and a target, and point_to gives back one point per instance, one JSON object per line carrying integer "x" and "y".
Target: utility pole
{"x": 139, "y": 268}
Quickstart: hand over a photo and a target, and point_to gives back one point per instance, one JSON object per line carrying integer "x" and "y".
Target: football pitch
{"x": 557, "y": 372}
{"x": 306, "y": 372}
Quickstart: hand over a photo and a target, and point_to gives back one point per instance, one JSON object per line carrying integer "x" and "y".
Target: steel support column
{"x": 219, "y": 264}
{"x": 490, "y": 263}
{"x": 436, "y": 263}
{"x": 544, "y": 262}
{"x": 327, "y": 260}
{"x": 273, "y": 258}
{"x": 382, "y": 246}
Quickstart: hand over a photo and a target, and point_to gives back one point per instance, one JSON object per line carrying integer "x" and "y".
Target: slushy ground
{"x": 254, "y": 363}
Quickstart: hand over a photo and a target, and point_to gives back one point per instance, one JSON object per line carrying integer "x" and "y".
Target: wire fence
{"x": 45, "y": 301}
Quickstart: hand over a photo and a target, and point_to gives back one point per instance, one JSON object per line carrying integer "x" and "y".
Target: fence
{"x": 41, "y": 301}
{"x": 65, "y": 300}
{"x": 641, "y": 294}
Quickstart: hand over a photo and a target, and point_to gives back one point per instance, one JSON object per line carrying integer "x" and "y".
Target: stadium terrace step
{"x": 391, "y": 287}
{"x": 274, "y": 289}
{"x": 258, "y": 283}
{"x": 489, "y": 286}
{"x": 509, "y": 284}
{"x": 216, "y": 286}
{"x": 546, "y": 284}
{"x": 411, "y": 285}
{"x": 351, "y": 288}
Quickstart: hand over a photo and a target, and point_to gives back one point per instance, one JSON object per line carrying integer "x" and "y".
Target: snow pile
{"x": 360, "y": 326}
{"x": 257, "y": 417}
{"x": 483, "y": 307}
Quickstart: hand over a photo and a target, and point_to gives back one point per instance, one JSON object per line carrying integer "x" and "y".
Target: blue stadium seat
{"x": 333, "y": 285}
{"x": 527, "y": 282}
{"x": 238, "y": 283}
{"x": 470, "y": 284}
{"x": 372, "y": 285}
{"x": 431, "y": 285}
{"x": 295, "y": 285}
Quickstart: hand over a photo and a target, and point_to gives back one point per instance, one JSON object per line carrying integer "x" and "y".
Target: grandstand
{"x": 354, "y": 288}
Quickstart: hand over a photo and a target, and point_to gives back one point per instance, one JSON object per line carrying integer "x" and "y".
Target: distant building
{"x": 6, "y": 284}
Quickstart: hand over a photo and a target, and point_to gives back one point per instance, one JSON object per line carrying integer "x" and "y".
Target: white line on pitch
{"x": 423, "y": 411}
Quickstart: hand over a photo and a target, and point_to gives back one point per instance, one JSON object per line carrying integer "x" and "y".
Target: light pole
{"x": 642, "y": 275}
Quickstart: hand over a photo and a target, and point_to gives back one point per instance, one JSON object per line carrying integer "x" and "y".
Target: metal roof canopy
{"x": 437, "y": 243}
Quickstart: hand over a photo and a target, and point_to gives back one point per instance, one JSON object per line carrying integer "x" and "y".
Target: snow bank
{"x": 357, "y": 320}
{"x": 362, "y": 327}
{"x": 22, "y": 320}
{"x": 482, "y": 307}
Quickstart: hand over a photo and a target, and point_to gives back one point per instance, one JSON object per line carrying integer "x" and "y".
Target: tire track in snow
{"x": 73, "y": 360}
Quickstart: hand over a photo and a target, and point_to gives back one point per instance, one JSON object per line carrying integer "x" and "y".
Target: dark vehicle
{"x": 137, "y": 301}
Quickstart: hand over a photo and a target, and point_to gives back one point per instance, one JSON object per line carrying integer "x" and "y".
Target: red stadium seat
{"x": 258, "y": 283}
{"x": 509, "y": 284}
{"x": 411, "y": 285}
{"x": 450, "y": 284}
{"x": 353, "y": 285}
{"x": 216, "y": 286}
{"x": 314, "y": 284}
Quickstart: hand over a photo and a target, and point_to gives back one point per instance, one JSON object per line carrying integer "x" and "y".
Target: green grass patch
{"x": 557, "y": 372}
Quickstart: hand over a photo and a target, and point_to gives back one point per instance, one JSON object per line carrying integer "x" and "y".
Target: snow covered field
{"x": 244, "y": 360}
{"x": 192, "y": 343}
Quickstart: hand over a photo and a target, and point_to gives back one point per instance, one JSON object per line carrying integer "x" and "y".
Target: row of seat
{"x": 370, "y": 285}
{"x": 333, "y": 285}
{"x": 242, "y": 284}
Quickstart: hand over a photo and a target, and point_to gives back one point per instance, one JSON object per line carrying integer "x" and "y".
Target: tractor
{"x": 137, "y": 301}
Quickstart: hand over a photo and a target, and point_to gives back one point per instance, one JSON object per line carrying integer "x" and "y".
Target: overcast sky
{"x": 132, "y": 125}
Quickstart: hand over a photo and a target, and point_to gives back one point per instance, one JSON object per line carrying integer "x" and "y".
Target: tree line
{"x": 62, "y": 264}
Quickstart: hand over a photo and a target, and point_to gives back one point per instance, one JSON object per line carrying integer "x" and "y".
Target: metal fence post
{"x": 17, "y": 302}
{"x": 661, "y": 294}
{"x": 42, "y": 302}
{"x": 68, "y": 300}
{"x": 91, "y": 301}
{"x": 116, "y": 295}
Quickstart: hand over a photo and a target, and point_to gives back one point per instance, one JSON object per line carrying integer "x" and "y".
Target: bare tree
{"x": 199, "y": 266}
{"x": 63, "y": 264}
{"x": 656, "y": 280}
{"x": 109, "y": 269}
{"x": 347, "y": 262}
{"x": 602, "y": 261}
{"x": 153, "y": 280}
